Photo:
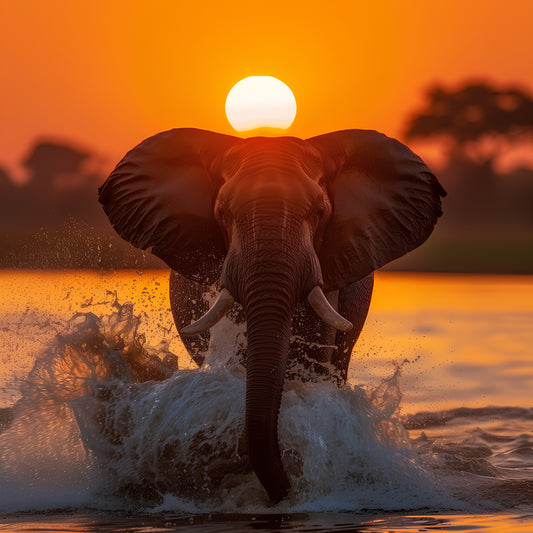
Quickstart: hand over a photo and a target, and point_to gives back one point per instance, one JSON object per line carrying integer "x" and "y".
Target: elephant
{"x": 292, "y": 230}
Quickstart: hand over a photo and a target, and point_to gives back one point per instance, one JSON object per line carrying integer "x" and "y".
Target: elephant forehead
{"x": 270, "y": 192}
{"x": 278, "y": 155}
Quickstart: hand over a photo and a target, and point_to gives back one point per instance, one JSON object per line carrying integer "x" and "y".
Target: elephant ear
{"x": 161, "y": 196}
{"x": 385, "y": 203}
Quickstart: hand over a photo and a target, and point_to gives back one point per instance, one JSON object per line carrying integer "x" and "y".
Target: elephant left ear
{"x": 161, "y": 196}
{"x": 385, "y": 203}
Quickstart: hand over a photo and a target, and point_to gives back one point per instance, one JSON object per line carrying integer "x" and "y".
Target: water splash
{"x": 106, "y": 420}
{"x": 43, "y": 461}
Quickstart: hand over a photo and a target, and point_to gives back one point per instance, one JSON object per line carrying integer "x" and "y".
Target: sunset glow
{"x": 259, "y": 102}
{"x": 112, "y": 75}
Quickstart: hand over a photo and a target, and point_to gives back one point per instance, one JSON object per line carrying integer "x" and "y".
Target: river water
{"x": 433, "y": 432}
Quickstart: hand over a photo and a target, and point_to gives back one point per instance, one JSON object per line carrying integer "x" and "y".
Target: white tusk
{"x": 323, "y": 309}
{"x": 220, "y": 308}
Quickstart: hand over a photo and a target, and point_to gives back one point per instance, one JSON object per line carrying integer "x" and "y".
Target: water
{"x": 434, "y": 430}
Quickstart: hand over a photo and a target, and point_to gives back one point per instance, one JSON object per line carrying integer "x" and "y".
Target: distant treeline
{"x": 487, "y": 224}
{"x": 54, "y": 220}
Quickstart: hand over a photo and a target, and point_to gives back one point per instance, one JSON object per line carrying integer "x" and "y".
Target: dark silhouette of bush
{"x": 480, "y": 120}
{"x": 488, "y": 215}
{"x": 54, "y": 220}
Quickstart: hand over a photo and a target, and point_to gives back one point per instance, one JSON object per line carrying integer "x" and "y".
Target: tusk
{"x": 323, "y": 309}
{"x": 220, "y": 308}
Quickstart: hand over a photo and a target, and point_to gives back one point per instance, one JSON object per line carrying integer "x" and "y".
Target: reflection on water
{"x": 467, "y": 338}
{"x": 317, "y": 523}
{"x": 79, "y": 425}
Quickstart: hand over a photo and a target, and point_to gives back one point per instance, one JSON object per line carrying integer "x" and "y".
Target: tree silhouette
{"x": 479, "y": 121}
{"x": 488, "y": 217}
{"x": 54, "y": 220}
{"x": 49, "y": 159}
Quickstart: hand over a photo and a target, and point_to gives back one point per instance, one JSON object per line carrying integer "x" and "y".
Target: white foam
{"x": 81, "y": 437}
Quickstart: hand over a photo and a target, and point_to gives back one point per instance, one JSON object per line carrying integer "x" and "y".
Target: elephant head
{"x": 274, "y": 221}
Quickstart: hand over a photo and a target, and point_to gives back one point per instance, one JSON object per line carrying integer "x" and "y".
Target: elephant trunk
{"x": 268, "y": 313}
{"x": 268, "y": 273}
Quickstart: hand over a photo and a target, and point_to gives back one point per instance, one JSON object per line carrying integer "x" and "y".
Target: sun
{"x": 260, "y": 102}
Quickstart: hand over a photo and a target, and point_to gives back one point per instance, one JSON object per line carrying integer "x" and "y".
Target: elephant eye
{"x": 321, "y": 211}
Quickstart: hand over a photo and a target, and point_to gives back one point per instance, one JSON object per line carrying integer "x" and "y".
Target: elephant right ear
{"x": 386, "y": 203}
{"x": 161, "y": 196}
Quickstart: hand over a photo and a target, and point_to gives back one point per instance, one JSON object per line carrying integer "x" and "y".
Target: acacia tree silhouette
{"x": 488, "y": 217}
{"x": 478, "y": 121}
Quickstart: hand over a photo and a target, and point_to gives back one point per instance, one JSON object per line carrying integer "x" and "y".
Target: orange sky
{"x": 108, "y": 73}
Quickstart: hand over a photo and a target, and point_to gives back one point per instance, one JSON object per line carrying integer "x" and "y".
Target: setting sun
{"x": 259, "y": 102}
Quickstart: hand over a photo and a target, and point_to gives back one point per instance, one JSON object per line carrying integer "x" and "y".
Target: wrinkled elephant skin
{"x": 290, "y": 229}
